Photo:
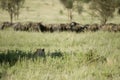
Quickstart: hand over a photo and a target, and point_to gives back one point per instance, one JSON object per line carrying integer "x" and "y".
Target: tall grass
{"x": 84, "y": 56}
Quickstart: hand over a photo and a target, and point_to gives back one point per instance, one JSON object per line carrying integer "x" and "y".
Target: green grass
{"x": 86, "y": 56}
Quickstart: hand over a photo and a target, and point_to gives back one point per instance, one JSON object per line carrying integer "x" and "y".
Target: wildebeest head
{"x": 5, "y": 25}
{"x": 1, "y": 26}
{"x": 72, "y": 24}
{"x": 42, "y": 27}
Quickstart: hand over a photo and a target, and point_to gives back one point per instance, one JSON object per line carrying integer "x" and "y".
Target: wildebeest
{"x": 53, "y": 27}
{"x": 64, "y": 27}
{"x": 42, "y": 27}
{"x": 5, "y": 25}
{"x": 1, "y": 26}
{"x": 73, "y": 26}
{"x": 20, "y": 27}
{"x": 17, "y": 26}
{"x": 93, "y": 27}
{"x": 109, "y": 27}
{"x": 118, "y": 27}
{"x": 33, "y": 26}
{"x": 77, "y": 27}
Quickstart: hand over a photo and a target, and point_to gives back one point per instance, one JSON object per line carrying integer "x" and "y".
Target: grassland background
{"x": 75, "y": 47}
{"x": 48, "y": 11}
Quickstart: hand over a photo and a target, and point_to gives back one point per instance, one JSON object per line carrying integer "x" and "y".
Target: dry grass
{"x": 48, "y": 11}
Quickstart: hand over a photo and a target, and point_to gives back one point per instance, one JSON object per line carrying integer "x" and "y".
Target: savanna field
{"x": 86, "y": 56}
{"x": 69, "y": 55}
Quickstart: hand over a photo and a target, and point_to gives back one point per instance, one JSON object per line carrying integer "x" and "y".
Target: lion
{"x": 40, "y": 52}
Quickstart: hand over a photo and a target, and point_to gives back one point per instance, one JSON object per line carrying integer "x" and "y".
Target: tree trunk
{"x": 17, "y": 14}
{"x": 70, "y": 17}
{"x": 119, "y": 10}
{"x": 104, "y": 21}
{"x": 11, "y": 17}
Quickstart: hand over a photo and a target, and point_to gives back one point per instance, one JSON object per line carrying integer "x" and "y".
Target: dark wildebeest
{"x": 34, "y": 26}
{"x": 53, "y": 27}
{"x": 1, "y": 26}
{"x": 5, "y": 25}
{"x": 20, "y": 27}
{"x": 77, "y": 27}
{"x": 64, "y": 27}
{"x": 17, "y": 26}
{"x": 42, "y": 27}
{"x": 72, "y": 25}
{"x": 118, "y": 27}
{"x": 94, "y": 27}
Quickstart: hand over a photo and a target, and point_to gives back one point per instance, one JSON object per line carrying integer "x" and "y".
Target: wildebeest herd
{"x": 73, "y": 26}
